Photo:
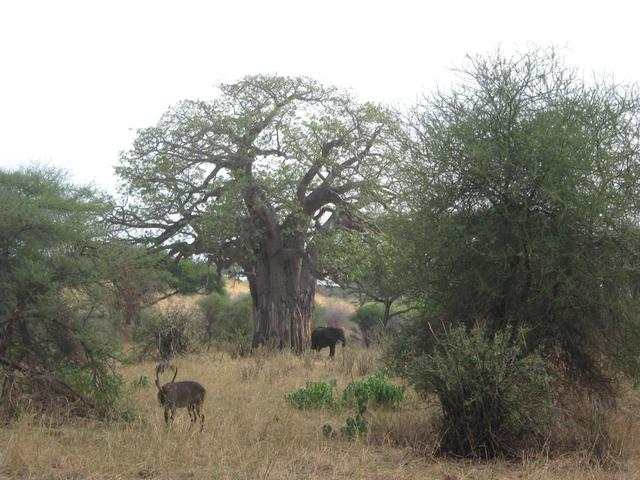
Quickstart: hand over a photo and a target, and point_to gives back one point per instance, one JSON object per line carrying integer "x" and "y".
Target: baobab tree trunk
{"x": 283, "y": 291}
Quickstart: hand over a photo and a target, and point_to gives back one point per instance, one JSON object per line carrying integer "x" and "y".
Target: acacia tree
{"x": 524, "y": 188}
{"x": 252, "y": 178}
{"x": 372, "y": 264}
{"x": 51, "y": 276}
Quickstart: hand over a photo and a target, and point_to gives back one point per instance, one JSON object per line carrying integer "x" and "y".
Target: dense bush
{"x": 169, "y": 333}
{"x": 52, "y": 283}
{"x": 228, "y": 322}
{"x": 100, "y": 384}
{"x": 374, "y": 388}
{"x": 494, "y": 395}
{"x": 522, "y": 200}
{"x": 312, "y": 396}
{"x": 369, "y": 318}
{"x": 413, "y": 338}
{"x": 190, "y": 276}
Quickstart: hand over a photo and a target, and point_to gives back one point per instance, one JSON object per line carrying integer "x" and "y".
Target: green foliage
{"x": 375, "y": 388}
{"x": 523, "y": 192}
{"x": 99, "y": 383}
{"x": 356, "y": 426}
{"x": 495, "y": 396}
{"x": 51, "y": 278}
{"x": 190, "y": 276}
{"x": 312, "y": 396}
{"x": 228, "y": 322}
{"x": 413, "y": 339}
{"x": 369, "y": 318}
{"x": 136, "y": 278}
{"x": 371, "y": 264}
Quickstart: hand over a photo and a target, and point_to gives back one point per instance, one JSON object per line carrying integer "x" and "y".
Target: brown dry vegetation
{"x": 251, "y": 432}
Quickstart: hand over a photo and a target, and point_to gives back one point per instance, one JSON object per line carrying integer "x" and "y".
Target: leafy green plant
{"x": 375, "y": 388}
{"x": 312, "y": 396}
{"x": 356, "y": 426}
{"x": 98, "y": 383}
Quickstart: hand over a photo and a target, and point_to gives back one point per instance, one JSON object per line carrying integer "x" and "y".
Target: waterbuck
{"x": 174, "y": 395}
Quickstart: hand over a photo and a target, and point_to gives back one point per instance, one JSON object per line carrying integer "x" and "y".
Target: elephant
{"x": 327, "y": 337}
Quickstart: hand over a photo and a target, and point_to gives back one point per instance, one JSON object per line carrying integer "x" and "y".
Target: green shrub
{"x": 167, "y": 334}
{"x": 375, "y": 388}
{"x": 312, "y": 396}
{"x": 356, "y": 426}
{"x": 369, "y": 318}
{"x": 97, "y": 383}
{"x": 228, "y": 322}
{"x": 494, "y": 396}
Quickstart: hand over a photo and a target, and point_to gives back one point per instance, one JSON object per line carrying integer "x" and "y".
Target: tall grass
{"x": 251, "y": 433}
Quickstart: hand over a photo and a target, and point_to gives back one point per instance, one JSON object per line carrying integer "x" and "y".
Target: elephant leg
{"x": 332, "y": 350}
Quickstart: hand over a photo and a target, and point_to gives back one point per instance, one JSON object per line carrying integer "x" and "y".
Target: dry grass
{"x": 251, "y": 433}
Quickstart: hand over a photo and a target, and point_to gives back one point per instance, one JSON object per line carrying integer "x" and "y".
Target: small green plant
{"x": 375, "y": 388}
{"x": 312, "y": 396}
{"x": 356, "y": 426}
{"x": 141, "y": 382}
{"x": 328, "y": 431}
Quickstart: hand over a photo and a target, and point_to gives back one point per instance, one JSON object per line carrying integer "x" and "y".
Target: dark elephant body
{"x": 327, "y": 337}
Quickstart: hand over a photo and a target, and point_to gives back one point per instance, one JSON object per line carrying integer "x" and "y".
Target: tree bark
{"x": 283, "y": 291}
{"x": 386, "y": 316}
{"x": 9, "y": 331}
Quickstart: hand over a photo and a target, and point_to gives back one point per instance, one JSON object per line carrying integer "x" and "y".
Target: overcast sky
{"x": 77, "y": 77}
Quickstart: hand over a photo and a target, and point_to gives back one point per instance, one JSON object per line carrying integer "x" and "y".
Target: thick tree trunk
{"x": 283, "y": 292}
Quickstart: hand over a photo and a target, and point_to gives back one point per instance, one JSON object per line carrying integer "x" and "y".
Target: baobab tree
{"x": 253, "y": 178}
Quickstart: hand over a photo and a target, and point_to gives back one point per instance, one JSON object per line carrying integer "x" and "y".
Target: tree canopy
{"x": 523, "y": 188}
{"x": 51, "y": 278}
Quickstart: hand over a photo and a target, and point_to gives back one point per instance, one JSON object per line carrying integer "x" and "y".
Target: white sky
{"x": 77, "y": 76}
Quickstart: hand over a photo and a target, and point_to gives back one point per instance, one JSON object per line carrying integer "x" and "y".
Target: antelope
{"x": 182, "y": 394}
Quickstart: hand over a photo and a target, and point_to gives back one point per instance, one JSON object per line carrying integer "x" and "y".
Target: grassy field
{"x": 251, "y": 433}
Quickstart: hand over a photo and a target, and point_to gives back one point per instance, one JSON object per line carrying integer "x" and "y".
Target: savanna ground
{"x": 252, "y": 433}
